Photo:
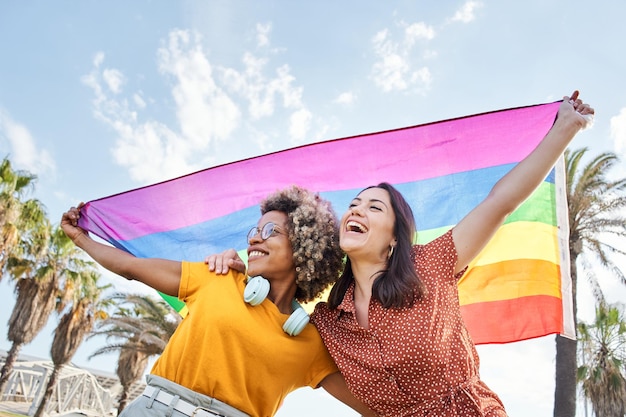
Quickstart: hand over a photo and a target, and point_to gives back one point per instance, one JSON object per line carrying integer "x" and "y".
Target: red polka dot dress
{"x": 414, "y": 361}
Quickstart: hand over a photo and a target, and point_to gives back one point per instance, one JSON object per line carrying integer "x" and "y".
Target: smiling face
{"x": 272, "y": 258}
{"x": 367, "y": 227}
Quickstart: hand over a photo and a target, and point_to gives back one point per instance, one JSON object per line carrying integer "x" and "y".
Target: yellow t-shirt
{"x": 235, "y": 352}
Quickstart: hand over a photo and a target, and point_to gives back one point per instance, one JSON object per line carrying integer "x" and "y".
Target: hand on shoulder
{"x": 221, "y": 263}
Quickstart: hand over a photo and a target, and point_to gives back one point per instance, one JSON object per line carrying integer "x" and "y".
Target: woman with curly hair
{"x": 245, "y": 343}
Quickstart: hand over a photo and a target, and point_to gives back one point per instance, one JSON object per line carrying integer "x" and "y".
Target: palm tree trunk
{"x": 54, "y": 376}
{"x": 565, "y": 384}
{"x": 123, "y": 401}
{"x": 566, "y": 350}
{"x": 7, "y": 368}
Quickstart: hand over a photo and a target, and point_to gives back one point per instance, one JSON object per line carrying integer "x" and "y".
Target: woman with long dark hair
{"x": 393, "y": 321}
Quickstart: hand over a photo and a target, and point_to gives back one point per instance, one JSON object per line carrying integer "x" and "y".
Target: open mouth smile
{"x": 354, "y": 226}
{"x": 256, "y": 253}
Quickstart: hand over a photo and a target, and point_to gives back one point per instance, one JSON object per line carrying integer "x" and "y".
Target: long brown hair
{"x": 397, "y": 286}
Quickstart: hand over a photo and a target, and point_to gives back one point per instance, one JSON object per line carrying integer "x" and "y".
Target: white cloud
{"x": 466, "y": 13}
{"x": 300, "y": 124}
{"x": 269, "y": 95}
{"x": 146, "y": 150}
{"x": 421, "y": 76}
{"x": 204, "y": 110}
{"x": 24, "y": 153}
{"x": 396, "y": 68}
{"x": 98, "y": 59}
{"x": 399, "y": 66}
{"x": 282, "y": 84}
{"x": 418, "y": 31}
{"x": 262, "y": 34}
{"x": 151, "y": 150}
{"x": 260, "y": 92}
{"x": 618, "y": 132}
{"x": 206, "y": 101}
{"x": 139, "y": 101}
{"x": 347, "y": 97}
{"x": 114, "y": 79}
{"x": 251, "y": 85}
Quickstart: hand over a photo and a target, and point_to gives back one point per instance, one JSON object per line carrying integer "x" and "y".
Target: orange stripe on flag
{"x": 510, "y": 279}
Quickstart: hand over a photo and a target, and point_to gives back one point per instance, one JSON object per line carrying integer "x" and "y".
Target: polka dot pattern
{"x": 417, "y": 361}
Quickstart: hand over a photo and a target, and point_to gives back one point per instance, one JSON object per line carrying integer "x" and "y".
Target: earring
{"x": 390, "y": 251}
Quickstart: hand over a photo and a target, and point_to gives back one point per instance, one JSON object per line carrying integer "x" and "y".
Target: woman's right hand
{"x": 221, "y": 263}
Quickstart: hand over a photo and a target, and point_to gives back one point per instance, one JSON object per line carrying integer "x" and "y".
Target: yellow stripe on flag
{"x": 521, "y": 240}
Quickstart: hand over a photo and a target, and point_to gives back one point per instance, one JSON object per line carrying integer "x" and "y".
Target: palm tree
{"x": 85, "y": 309}
{"x": 36, "y": 293}
{"x": 140, "y": 328}
{"x": 130, "y": 367}
{"x": 46, "y": 258}
{"x": 595, "y": 206}
{"x": 16, "y": 214}
{"x": 603, "y": 355}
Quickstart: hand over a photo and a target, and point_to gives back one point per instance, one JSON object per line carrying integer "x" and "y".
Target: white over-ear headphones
{"x": 255, "y": 292}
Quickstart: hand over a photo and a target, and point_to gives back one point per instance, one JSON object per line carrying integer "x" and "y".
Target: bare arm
{"x": 475, "y": 230}
{"x": 336, "y": 386}
{"x": 160, "y": 274}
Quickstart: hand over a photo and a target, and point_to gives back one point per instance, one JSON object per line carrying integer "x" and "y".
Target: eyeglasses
{"x": 265, "y": 232}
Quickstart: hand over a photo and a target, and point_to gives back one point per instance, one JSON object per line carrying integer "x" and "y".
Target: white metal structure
{"x": 76, "y": 391}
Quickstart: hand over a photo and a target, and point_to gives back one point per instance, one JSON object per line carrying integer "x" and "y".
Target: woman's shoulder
{"x": 435, "y": 257}
{"x": 197, "y": 275}
{"x": 443, "y": 242}
{"x": 320, "y": 308}
{"x": 322, "y": 314}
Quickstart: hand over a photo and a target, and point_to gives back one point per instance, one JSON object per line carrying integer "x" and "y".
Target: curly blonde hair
{"x": 314, "y": 236}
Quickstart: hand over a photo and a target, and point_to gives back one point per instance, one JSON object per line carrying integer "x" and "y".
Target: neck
{"x": 364, "y": 275}
{"x": 282, "y": 296}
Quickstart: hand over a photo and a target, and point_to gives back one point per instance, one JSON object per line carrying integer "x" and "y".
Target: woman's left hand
{"x": 582, "y": 112}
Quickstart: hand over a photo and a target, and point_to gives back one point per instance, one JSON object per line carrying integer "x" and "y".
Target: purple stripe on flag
{"x": 396, "y": 156}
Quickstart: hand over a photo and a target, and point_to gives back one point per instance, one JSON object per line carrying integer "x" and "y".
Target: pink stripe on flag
{"x": 396, "y": 156}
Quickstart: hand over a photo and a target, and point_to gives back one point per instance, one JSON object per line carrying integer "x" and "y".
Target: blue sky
{"x": 101, "y": 97}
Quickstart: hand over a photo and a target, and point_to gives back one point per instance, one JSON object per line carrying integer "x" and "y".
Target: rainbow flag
{"x": 517, "y": 288}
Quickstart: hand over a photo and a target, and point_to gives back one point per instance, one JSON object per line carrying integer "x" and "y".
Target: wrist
{"x": 80, "y": 239}
{"x": 570, "y": 123}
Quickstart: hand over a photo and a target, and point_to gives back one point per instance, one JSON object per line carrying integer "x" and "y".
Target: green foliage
{"x": 50, "y": 273}
{"x": 602, "y": 354}
{"x": 596, "y": 219}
